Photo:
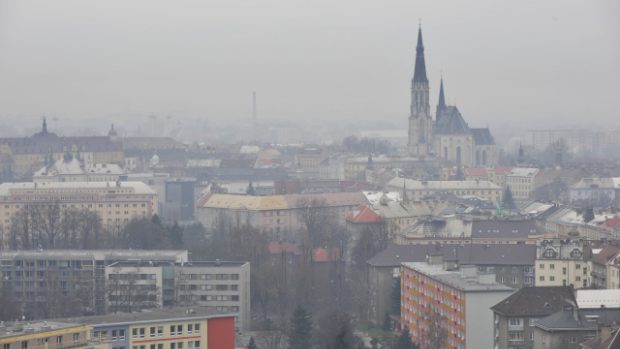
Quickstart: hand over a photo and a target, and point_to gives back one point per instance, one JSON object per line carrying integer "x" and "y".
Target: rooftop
{"x": 149, "y": 316}
{"x": 177, "y": 255}
{"x": 412, "y": 184}
{"x": 579, "y": 320}
{"x": 604, "y": 298}
{"x": 456, "y": 279}
{"x": 282, "y": 202}
{"x": 7, "y": 189}
{"x": 536, "y": 301}
{"x": 21, "y": 328}
{"x": 473, "y": 254}
{"x": 160, "y": 263}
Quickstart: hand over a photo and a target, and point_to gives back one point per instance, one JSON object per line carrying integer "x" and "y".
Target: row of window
{"x": 158, "y": 331}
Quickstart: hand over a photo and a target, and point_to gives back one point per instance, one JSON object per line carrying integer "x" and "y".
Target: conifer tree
{"x": 300, "y": 334}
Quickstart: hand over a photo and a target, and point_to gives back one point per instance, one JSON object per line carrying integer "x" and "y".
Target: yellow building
{"x": 418, "y": 190}
{"x": 562, "y": 263}
{"x": 171, "y": 328}
{"x": 115, "y": 202}
{"x": 44, "y": 335}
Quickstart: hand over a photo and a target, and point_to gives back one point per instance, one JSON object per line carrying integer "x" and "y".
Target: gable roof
{"x": 482, "y": 136}
{"x": 503, "y": 229}
{"x": 363, "y": 214}
{"x": 451, "y": 122}
{"x": 536, "y": 301}
{"x": 470, "y": 254}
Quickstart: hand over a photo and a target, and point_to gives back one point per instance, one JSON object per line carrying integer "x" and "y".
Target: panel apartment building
{"x": 221, "y": 286}
{"x": 448, "y": 308}
{"x": 36, "y": 276}
{"x": 115, "y": 202}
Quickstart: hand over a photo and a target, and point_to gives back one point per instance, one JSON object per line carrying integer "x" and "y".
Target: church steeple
{"x": 44, "y": 128}
{"x": 441, "y": 105}
{"x": 419, "y": 74}
{"x": 420, "y": 120}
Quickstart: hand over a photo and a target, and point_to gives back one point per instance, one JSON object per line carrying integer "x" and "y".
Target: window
{"x": 160, "y": 346}
{"x": 197, "y": 328}
{"x": 515, "y": 322}
{"x": 121, "y": 334}
{"x": 76, "y": 337}
{"x": 6, "y": 346}
{"x": 179, "y": 329}
{"x": 173, "y": 346}
{"x": 160, "y": 331}
{"x": 551, "y": 278}
{"x": 541, "y": 278}
{"x": 25, "y": 345}
{"x": 551, "y": 266}
{"x": 153, "y": 346}
{"x": 532, "y": 335}
{"x": 58, "y": 339}
{"x": 180, "y": 345}
{"x": 142, "y": 332}
{"x": 190, "y": 328}
{"x": 541, "y": 266}
{"x": 114, "y": 335}
{"x": 173, "y": 332}
{"x": 134, "y": 333}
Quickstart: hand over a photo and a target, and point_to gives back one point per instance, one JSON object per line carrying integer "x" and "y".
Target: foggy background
{"x": 511, "y": 65}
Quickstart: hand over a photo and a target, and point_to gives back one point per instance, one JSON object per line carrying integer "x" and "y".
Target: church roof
{"x": 419, "y": 74}
{"x": 451, "y": 122}
{"x": 482, "y": 136}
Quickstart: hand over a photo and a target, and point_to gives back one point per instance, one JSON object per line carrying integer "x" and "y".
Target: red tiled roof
{"x": 276, "y": 248}
{"x": 612, "y": 222}
{"x": 475, "y": 171}
{"x": 323, "y": 255}
{"x": 500, "y": 170}
{"x": 363, "y": 214}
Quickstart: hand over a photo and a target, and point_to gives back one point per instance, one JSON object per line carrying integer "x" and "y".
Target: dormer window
{"x": 576, "y": 253}
{"x": 549, "y": 253}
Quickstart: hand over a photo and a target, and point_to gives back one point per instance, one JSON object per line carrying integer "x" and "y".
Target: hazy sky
{"x": 504, "y": 62}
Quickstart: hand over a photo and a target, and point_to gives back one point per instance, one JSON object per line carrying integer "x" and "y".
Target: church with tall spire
{"x": 448, "y": 136}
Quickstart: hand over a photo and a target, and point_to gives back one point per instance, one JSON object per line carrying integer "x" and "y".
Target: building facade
{"x": 562, "y": 263}
{"x": 223, "y": 287}
{"x": 418, "y": 190}
{"x": 37, "y": 278}
{"x": 116, "y": 203}
{"x": 515, "y": 316}
{"x": 447, "y": 308}
{"x": 44, "y": 335}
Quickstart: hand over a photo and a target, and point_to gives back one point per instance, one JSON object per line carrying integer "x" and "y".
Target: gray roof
{"x": 582, "y": 320}
{"x": 536, "y": 301}
{"x": 20, "y": 328}
{"x": 474, "y": 254}
{"x": 451, "y": 122}
{"x": 482, "y": 136}
{"x": 148, "y": 316}
{"x": 456, "y": 279}
{"x": 503, "y": 229}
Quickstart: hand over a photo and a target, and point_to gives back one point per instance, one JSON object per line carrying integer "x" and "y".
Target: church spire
{"x": 419, "y": 74}
{"x": 44, "y": 128}
{"x": 441, "y": 105}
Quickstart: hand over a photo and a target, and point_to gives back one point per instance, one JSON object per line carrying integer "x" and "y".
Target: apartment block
{"x": 221, "y": 286}
{"x": 172, "y": 328}
{"x": 44, "y": 335}
{"x": 515, "y": 316}
{"x": 115, "y": 202}
{"x": 36, "y": 276}
{"x": 417, "y": 190}
{"x": 446, "y": 308}
{"x": 562, "y": 263}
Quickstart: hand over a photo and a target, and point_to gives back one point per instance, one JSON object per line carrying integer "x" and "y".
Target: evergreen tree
{"x": 508, "y": 201}
{"x": 251, "y": 344}
{"x": 588, "y": 214}
{"x": 300, "y": 335}
{"x": 395, "y": 297}
{"x": 405, "y": 342}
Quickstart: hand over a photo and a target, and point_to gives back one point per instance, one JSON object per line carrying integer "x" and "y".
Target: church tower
{"x": 420, "y": 121}
{"x": 441, "y": 105}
